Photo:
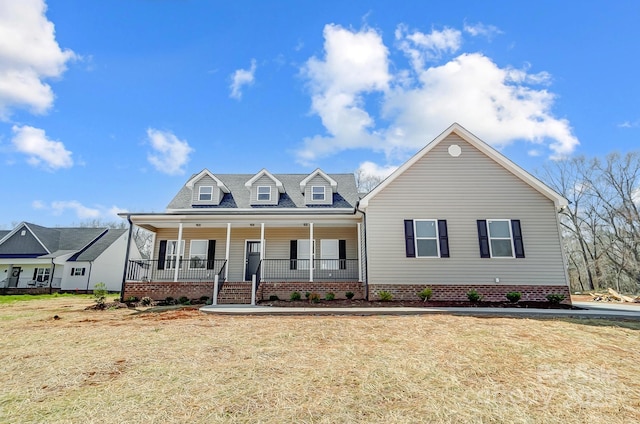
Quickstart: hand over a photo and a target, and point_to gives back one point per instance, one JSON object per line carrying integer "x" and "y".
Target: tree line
{"x": 601, "y": 225}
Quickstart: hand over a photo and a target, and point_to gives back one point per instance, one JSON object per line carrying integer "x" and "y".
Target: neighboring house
{"x": 458, "y": 215}
{"x": 32, "y": 256}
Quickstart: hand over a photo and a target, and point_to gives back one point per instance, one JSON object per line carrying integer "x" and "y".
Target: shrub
{"x": 474, "y": 296}
{"x": 425, "y": 294}
{"x": 513, "y": 296}
{"x": 307, "y": 294}
{"x": 349, "y": 295}
{"x": 184, "y": 300}
{"x": 146, "y": 301}
{"x": 295, "y": 296}
{"x": 100, "y": 294}
{"x": 131, "y": 299}
{"x": 555, "y": 298}
{"x": 274, "y": 297}
{"x": 385, "y": 296}
{"x": 314, "y": 297}
{"x": 169, "y": 300}
{"x": 330, "y": 296}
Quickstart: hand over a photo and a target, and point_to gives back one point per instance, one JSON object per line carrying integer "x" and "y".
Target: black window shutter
{"x": 293, "y": 254}
{"x": 517, "y": 238}
{"x": 443, "y": 236}
{"x": 72, "y": 271}
{"x": 162, "y": 252}
{"x": 483, "y": 238}
{"x": 342, "y": 253}
{"x": 211, "y": 254}
{"x": 35, "y": 274}
{"x": 409, "y": 241}
{"x": 83, "y": 271}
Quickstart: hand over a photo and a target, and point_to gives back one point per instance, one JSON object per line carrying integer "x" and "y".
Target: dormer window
{"x": 205, "y": 194}
{"x": 264, "y": 193}
{"x": 318, "y": 193}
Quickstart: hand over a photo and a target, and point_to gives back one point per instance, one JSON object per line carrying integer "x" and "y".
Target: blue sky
{"x": 109, "y": 106}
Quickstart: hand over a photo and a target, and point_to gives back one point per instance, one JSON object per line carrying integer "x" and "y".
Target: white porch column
{"x": 178, "y": 253}
{"x": 311, "y": 258}
{"x": 359, "y": 252}
{"x": 262, "y": 241}
{"x": 226, "y": 255}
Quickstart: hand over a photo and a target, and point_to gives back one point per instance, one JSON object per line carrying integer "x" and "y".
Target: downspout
{"x": 366, "y": 262}
{"x": 53, "y": 270}
{"x": 126, "y": 258}
{"x": 89, "y": 276}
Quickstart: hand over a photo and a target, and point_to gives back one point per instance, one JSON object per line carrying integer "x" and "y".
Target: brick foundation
{"x": 284, "y": 289}
{"x": 490, "y": 293}
{"x": 162, "y": 290}
{"x": 21, "y": 290}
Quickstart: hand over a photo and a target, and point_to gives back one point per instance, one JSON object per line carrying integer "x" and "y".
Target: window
{"x": 198, "y": 253}
{"x": 426, "y": 238}
{"x": 77, "y": 271}
{"x": 205, "y": 193}
{"x": 172, "y": 257}
{"x": 317, "y": 193}
{"x": 500, "y": 238}
{"x": 41, "y": 274}
{"x": 264, "y": 193}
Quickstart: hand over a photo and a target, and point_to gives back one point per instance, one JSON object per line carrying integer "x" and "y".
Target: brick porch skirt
{"x": 489, "y": 292}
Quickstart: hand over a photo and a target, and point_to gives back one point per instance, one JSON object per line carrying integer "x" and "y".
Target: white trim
{"x": 331, "y": 181}
{"x": 492, "y": 153}
{"x": 311, "y": 252}
{"x": 513, "y": 248}
{"x": 436, "y": 238}
{"x": 256, "y": 177}
{"x": 258, "y": 199}
{"x": 200, "y": 199}
{"x": 226, "y": 254}
{"x": 201, "y": 174}
{"x": 324, "y": 194}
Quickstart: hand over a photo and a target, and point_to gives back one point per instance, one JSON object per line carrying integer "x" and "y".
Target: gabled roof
{"x": 334, "y": 184}
{"x": 98, "y": 246}
{"x": 206, "y": 172}
{"x": 492, "y": 153}
{"x": 262, "y": 173}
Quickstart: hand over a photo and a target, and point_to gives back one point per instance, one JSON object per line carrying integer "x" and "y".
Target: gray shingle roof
{"x": 74, "y": 238}
{"x": 97, "y": 248}
{"x": 346, "y": 196}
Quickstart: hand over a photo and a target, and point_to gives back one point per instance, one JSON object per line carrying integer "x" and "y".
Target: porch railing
{"x": 188, "y": 270}
{"x": 298, "y": 270}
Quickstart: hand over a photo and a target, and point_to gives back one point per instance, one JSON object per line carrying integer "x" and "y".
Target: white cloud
{"x": 40, "y": 150}
{"x": 29, "y": 53}
{"x": 240, "y": 78}
{"x": 81, "y": 211}
{"x": 371, "y": 169}
{"x": 421, "y": 47}
{"x": 629, "y": 124}
{"x": 170, "y": 153}
{"x": 354, "y": 64}
{"x": 502, "y": 105}
{"x": 480, "y": 29}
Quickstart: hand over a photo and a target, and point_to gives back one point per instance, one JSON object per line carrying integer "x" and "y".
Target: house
{"x": 35, "y": 257}
{"x": 456, "y": 216}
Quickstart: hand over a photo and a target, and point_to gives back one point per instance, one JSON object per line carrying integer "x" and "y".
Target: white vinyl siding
{"x": 318, "y": 191}
{"x": 206, "y": 192}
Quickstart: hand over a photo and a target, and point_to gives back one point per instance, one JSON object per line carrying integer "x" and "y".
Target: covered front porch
{"x": 201, "y": 251}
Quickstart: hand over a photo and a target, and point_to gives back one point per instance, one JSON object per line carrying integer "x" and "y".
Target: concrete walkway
{"x": 590, "y": 311}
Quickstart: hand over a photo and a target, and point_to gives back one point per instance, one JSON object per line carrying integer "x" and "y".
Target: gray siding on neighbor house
{"x": 25, "y": 244}
{"x": 461, "y": 190}
{"x": 264, "y": 181}
{"x": 318, "y": 180}
{"x": 216, "y": 193}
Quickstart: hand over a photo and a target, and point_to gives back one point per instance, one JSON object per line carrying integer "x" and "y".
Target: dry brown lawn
{"x": 181, "y": 366}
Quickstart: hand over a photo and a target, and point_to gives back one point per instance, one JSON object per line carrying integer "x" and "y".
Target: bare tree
{"x": 366, "y": 182}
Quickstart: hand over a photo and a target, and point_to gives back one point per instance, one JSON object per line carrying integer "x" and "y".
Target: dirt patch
{"x": 345, "y": 303}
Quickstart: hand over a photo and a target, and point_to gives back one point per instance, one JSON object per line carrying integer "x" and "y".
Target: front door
{"x": 253, "y": 259}
{"x": 14, "y": 276}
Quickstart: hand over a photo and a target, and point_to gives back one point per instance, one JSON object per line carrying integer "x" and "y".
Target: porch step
{"x": 235, "y": 293}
